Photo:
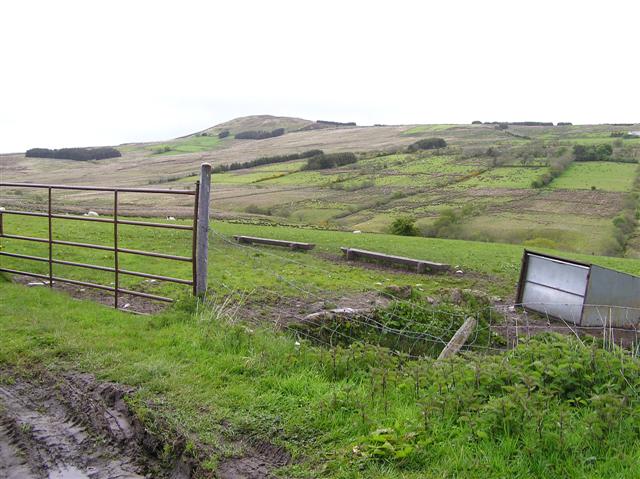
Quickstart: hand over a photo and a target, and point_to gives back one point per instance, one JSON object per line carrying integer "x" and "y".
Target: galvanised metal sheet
{"x": 615, "y": 298}
{"x": 554, "y": 287}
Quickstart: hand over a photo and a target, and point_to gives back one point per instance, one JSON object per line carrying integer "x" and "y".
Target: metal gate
{"x": 198, "y": 247}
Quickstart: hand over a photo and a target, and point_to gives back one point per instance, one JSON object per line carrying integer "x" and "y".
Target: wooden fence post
{"x": 202, "y": 246}
{"x": 458, "y": 339}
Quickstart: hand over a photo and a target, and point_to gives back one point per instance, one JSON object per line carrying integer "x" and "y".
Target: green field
{"x": 192, "y": 144}
{"x": 261, "y": 365}
{"x": 236, "y": 368}
{"x": 605, "y": 176}
{"x": 238, "y": 267}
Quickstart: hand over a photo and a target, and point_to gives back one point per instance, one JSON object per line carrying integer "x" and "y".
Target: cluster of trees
{"x": 336, "y": 123}
{"x": 600, "y": 152}
{"x": 331, "y": 160}
{"x": 78, "y": 154}
{"x": 266, "y": 160}
{"x": 427, "y": 144}
{"x": 517, "y": 123}
{"x": 259, "y": 134}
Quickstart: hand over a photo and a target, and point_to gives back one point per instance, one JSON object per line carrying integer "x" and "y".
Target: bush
{"x": 78, "y": 154}
{"x": 404, "y": 226}
{"x": 223, "y": 134}
{"x": 427, "y": 144}
{"x": 259, "y": 135}
{"x": 332, "y": 160}
{"x": 476, "y": 122}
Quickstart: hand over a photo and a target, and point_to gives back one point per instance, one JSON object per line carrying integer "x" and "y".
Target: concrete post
{"x": 202, "y": 246}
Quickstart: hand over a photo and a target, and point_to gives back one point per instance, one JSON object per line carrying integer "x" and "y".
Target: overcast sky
{"x": 93, "y": 73}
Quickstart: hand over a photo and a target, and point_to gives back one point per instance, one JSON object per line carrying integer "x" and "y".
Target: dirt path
{"x": 42, "y": 436}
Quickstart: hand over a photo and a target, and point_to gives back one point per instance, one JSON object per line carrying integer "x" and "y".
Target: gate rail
{"x": 116, "y": 249}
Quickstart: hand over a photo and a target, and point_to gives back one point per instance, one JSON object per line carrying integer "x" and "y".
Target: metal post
{"x": 50, "y": 243}
{"x": 202, "y": 246}
{"x": 115, "y": 248}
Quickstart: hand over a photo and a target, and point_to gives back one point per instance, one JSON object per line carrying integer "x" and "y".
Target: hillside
{"x": 480, "y": 187}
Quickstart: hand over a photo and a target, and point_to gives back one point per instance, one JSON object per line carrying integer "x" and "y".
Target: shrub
{"x": 476, "y": 122}
{"x": 427, "y": 144}
{"x": 404, "y": 226}
{"x": 78, "y": 154}
{"x": 223, "y": 134}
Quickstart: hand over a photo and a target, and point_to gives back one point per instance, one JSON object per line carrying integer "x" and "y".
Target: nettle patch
{"x": 550, "y": 399}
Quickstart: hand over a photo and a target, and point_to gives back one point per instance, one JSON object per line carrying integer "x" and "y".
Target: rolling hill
{"x": 479, "y": 187}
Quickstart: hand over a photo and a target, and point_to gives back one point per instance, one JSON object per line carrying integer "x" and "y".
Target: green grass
{"x": 505, "y": 177}
{"x": 551, "y": 408}
{"x": 192, "y": 144}
{"x": 267, "y": 267}
{"x": 607, "y": 176}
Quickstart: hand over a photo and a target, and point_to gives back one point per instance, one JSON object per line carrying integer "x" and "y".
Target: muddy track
{"x": 71, "y": 428}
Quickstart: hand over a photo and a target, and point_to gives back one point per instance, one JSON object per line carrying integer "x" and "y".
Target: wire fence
{"x": 410, "y": 328}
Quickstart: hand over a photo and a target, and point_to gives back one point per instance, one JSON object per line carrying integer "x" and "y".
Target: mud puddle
{"x": 71, "y": 428}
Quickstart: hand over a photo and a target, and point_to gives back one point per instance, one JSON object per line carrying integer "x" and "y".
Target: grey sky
{"x": 79, "y": 73}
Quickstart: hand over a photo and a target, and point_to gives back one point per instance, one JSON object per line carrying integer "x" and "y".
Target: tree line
{"x": 259, "y": 134}
{"x": 427, "y": 144}
{"x": 78, "y": 154}
{"x": 266, "y": 160}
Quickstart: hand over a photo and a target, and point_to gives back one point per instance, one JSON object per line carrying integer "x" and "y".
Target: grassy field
{"x": 342, "y": 412}
{"x": 235, "y": 368}
{"x": 599, "y": 175}
{"x": 491, "y": 267}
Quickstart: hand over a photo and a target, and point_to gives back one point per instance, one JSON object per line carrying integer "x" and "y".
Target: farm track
{"x": 75, "y": 429}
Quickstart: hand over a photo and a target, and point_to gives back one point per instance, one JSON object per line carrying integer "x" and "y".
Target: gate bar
{"x": 98, "y": 268}
{"x": 100, "y": 247}
{"x": 88, "y": 285}
{"x": 101, "y": 188}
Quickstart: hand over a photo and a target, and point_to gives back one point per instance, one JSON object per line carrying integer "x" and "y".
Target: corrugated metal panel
{"x": 612, "y": 288}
